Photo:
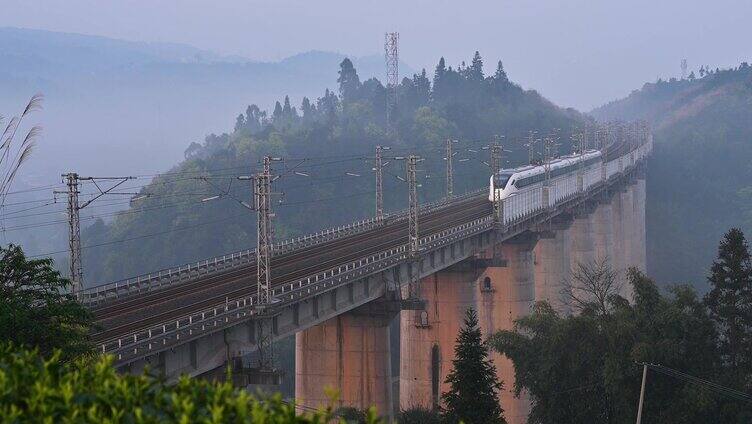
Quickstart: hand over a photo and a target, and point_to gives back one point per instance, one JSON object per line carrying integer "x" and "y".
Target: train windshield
{"x": 501, "y": 180}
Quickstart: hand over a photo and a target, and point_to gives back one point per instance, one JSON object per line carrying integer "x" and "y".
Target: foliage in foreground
{"x": 36, "y": 309}
{"x": 582, "y": 368}
{"x": 34, "y": 389}
{"x": 419, "y": 416}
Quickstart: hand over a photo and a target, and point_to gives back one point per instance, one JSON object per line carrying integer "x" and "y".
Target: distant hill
{"x": 156, "y": 96}
{"x": 700, "y": 177}
{"x": 115, "y": 107}
{"x": 330, "y": 139}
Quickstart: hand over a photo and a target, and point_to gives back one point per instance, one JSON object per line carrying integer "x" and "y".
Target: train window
{"x": 500, "y": 180}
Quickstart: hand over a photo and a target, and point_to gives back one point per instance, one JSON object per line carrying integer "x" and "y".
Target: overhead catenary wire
{"x": 108, "y": 243}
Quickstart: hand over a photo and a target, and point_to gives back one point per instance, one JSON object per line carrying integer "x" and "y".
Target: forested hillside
{"x": 700, "y": 178}
{"x": 327, "y": 177}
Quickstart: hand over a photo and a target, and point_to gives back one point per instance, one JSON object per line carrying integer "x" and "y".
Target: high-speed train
{"x": 510, "y": 182}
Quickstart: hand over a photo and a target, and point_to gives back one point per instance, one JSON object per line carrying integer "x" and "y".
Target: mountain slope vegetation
{"x": 195, "y": 210}
{"x": 699, "y": 178}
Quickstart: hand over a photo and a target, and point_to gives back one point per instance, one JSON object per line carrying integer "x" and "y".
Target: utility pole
{"x": 263, "y": 232}
{"x": 498, "y": 209}
{"x": 413, "y": 236}
{"x": 580, "y": 139}
{"x": 72, "y": 180}
{"x": 412, "y": 182}
{"x": 530, "y": 147}
{"x": 642, "y": 392}
{"x": 380, "y": 182}
{"x": 495, "y": 150}
{"x": 545, "y": 192}
{"x": 449, "y": 172}
{"x": 74, "y": 231}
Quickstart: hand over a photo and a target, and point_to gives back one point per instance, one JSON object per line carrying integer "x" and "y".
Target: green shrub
{"x": 34, "y": 389}
{"x": 418, "y": 416}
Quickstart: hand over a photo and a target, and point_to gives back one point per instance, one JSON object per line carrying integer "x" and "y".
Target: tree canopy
{"x": 583, "y": 368}
{"x": 36, "y": 307}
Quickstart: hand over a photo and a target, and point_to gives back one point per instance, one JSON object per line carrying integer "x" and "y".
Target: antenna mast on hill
{"x": 391, "y": 40}
{"x": 684, "y": 68}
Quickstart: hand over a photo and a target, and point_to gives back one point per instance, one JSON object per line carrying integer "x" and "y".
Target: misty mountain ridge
{"x": 107, "y": 98}
{"x": 699, "y": 178}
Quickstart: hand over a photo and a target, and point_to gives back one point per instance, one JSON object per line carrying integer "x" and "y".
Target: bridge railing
{"x": 173, "y": 276}
{"x": 146, "y": 339}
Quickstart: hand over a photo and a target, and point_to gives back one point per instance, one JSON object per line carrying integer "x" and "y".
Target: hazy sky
{"x": 578, "y": 53}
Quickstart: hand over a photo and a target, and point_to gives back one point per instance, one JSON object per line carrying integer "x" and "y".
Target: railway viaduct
{"x": 345, "y": 293}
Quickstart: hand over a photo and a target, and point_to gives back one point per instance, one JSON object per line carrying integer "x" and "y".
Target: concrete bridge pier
{"x": 640, "y": 230}
{"x": 508, "y": 293}
{"x": 618, "y": 261}
{"x": 349, "y": 353}
{"x": 604, "y": 231}
{"x": 427, "y": 338}
{"x": 552, "y": 262}
{"x": 628, "y": 218}
{"x": 583, "y": 236}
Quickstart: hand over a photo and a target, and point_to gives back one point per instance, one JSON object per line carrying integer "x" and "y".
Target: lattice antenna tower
{"x": 684, "y": 68}
{"x": 391, "y": 55}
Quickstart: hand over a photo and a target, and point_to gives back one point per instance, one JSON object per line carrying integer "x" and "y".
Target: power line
{"x": 188, "y": 227}
{"x": 707, "y": 384}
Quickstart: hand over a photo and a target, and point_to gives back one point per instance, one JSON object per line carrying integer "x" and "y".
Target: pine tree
{"x": 475, "y": 71}
{"x": 730, "y": 301}
{"x": 287, "y": 109}
{"x": 306, "y": 108}
{"x": 473, "y": 397}
{"x": 440, "y": 71}
{"x": 500, "y": 74}
{"x": 277, "y": 114}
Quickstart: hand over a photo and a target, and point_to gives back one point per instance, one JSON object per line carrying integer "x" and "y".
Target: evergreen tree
{"x": 422, "y": 87}
{"x": 473, "y": 397}
{"x": 287, "y": 109}
{"x": 500, "y": 74}
{"x": 239, "y": 122}
{"x": 439, "y": 80}
{"x": 348, "y": 80}
{"x": 730, "y": 301}
{"x": 440, "y": 71}
{"x": 277, "y": 114}
{"x": 306, "y": 108}
{"x": 475, "y": 71}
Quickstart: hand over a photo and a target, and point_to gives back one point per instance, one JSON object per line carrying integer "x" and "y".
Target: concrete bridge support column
{"x": 640, "y": 230}
{"x": 510, "y": 296}
{"x": 603, "y": 231}
{"x": 349, "y": 353}
{"x": 552, "y": 262}
{"x": 583, "y": 238}
{"x": 427, "y": 338}
{"x": 618, "y": 261}
{"x": 628, "y": 224}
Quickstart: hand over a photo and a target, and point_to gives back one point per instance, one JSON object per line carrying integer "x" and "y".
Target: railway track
{"x": 162, "y": 306}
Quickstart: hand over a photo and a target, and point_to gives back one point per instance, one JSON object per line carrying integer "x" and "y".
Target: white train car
{"x": 521, "y": 188}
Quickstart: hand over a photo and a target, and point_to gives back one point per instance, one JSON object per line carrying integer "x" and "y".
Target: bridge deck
{"x": 131, "y": 314}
